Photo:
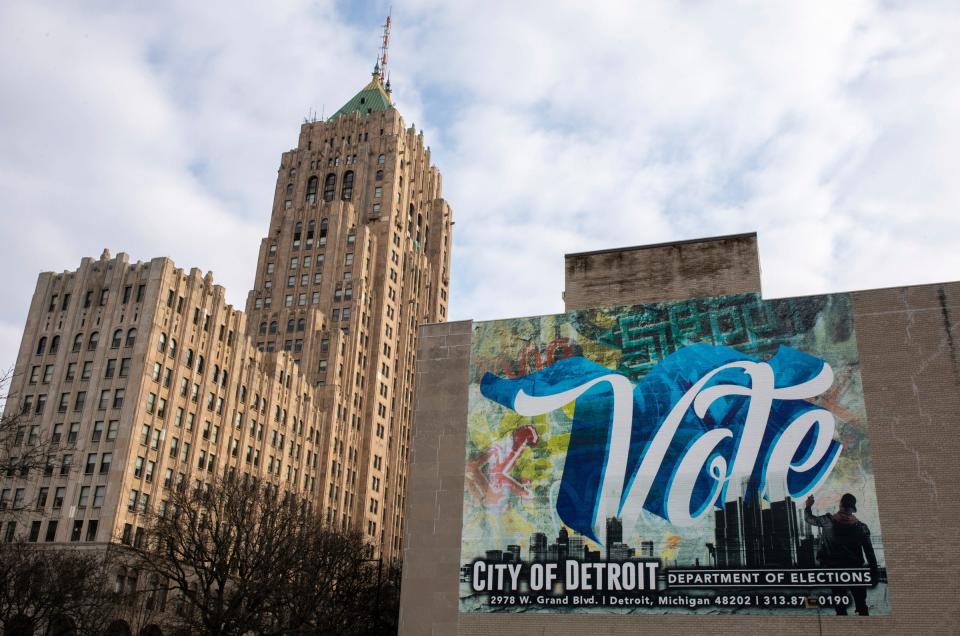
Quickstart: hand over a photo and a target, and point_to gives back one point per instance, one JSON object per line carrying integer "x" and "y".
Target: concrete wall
{"x": 434, "y": 513}
{"x": 668, "y": 271}
{"x": 907, "y": 339}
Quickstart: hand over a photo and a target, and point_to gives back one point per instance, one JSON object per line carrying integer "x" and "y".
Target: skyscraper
{"x": 141, "y": 378}
{"x": 356, "y": 257}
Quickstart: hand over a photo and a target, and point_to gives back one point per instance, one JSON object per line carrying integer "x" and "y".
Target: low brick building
{"x": 910, "y": 369}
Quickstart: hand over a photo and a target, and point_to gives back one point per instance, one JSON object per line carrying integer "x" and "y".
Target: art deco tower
{"x": 356, "y": 258}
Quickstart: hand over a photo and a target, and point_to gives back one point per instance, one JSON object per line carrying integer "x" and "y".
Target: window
{"x": 126, "y": 294}
{"x": 381, "y": 159}
{"x": 94, "y": 339}
{"x": 329, "y": 186}
{"x": 346, "y": 190}
{"x": 378, "y": 192}
{"x": 132, "y": 501}
{"x": 104, "y": 399}
{"x": 55, "y": 344}
{"x": 348, "y": 259}
{"x": 58, "y": 496}
{"x": 73, "y": 433}
{"x": 162, "y": 343}
{"x": 312, "y": 185}
{"x": 297, "y": 233}
{"x": 92, "y": 527}
{"x": 117, "y": 339}
{"x": 155, "y": 439}
{"x": 379, "y": 176}
{"x": 42, "y": 498}
{"x": 111, "y": 368}
{"x": 35, "y": 531}
{"x": 65, "y": 464}
{"x": 51, "y": 531}
{"x": 131, "y": 338}
{"x": 112, "y": 429}
{"x": 87, "y": 370}
{"x": 71, "y": 372}
{"x": 97, "y": 431}
{"x": 77, "y": 342}
{"x": 91, "y": 464}
{"x": 138, "y": 467}
{"x": 105, "y": 461}
{"x": 84, "y": 497}
{"x": 57, "y": 433}
{"x": 41, "y": 345}
{"x": 118, "y": 398}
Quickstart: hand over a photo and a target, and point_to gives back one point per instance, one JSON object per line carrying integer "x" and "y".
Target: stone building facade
{"x": 143, "y": 378}
{"x": 910, "y": 369}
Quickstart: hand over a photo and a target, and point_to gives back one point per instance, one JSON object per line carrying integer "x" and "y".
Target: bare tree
{"x": 334, "y": 587}
{"x": 51, "y": 591}
{"x": 224, "y": 550}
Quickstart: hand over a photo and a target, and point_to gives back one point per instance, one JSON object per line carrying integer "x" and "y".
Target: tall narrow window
{"x": 310, "y": 227}
{"x": 312, "y": 184}
{"x": 346, "y": 191}
{"x": 329, "y": 186}
{"x": 297, "y": 232}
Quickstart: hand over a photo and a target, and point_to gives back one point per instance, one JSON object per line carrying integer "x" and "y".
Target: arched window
{"x": 94, "y": 339}
{"x": 189, "y": 360}
{"x": 263, "y": 328}
{"x": 117, "y": 339}
{"x": 410, "y": 220}
{"x": 346, "y": 191}
{"x": 273, "y": 326}
{"x": 419, "y": 225}
{"x": 312, "y": 185}
{"x": 323, "y": 233}
{"x": 77, "y": 342}
{"x": 131, "y": 337}
{"x": 42, "y": 346}
{"x": 173, "y": 347}
{"x": 381, "y": 159}
{"x": 301, "y": 324}
{"x": 216, "y": 373}
{"x": 329, "y": 186}
{"x": 289, "y": 188}
{"x": 379, "y": 176}
{"x": 199, "y": 364}
{"x": 311, "y": 225}
{"x": 162, "y": 343}
{"x": 224, "y": 380}
{"x": 290, "y": 325}
{"x": 55, "y": 344}
{"x": 297, "y": 232}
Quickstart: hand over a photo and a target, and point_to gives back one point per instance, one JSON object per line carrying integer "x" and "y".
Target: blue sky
{"x": 831, "y": 129}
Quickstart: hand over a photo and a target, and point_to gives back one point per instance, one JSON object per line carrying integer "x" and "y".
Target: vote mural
{"x": 700, "y": 456}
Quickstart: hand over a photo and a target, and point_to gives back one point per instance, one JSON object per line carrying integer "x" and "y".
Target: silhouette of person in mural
{"x": 844, "y": 542}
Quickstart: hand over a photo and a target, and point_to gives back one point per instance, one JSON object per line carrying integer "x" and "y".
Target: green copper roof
{"x": 373, "y": 98}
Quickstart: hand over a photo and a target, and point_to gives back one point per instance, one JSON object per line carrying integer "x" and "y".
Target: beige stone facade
{"x": 910, "y": 367}
{"x": 145, "y": 379}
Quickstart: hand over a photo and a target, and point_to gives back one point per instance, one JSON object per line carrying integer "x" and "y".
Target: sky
{"x": 832, "y": 129}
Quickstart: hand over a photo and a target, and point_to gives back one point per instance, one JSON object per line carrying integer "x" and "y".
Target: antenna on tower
{"x": 382, "y": 62}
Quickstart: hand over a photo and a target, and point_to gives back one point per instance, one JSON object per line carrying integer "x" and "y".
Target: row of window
{"x": 104, "y": 296}
{"x": 50, "y": 536}
{"x": 92, "y": 341}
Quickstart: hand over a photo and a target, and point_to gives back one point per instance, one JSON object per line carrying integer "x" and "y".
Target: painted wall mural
{"x": 707, "y": 456}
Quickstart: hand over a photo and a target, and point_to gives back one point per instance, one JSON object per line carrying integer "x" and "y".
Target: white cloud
{"x": 559, "y": 127}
